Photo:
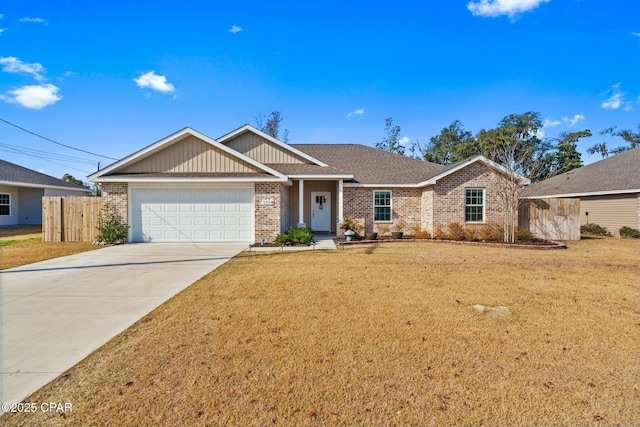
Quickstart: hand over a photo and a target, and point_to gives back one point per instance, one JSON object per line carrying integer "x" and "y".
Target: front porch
{"x": 317, "y": 204}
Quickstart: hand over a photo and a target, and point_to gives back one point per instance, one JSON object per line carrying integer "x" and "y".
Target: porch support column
{"x": 340, "y": 201}
{"x": 301, "y": 223}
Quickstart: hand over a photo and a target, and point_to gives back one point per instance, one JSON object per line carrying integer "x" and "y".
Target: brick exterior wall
{"x": 115, "y": 195}
{"x": 268, "y": 219}
{"x": 427, "y": 210}
{"x": 449, "y": 195}
{"x": 405, "y": 205}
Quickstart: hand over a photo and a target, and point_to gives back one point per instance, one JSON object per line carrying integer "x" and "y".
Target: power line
{"x": 55, "y": 142}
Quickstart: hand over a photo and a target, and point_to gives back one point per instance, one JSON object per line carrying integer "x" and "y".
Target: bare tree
{"x": 271, "y": 125}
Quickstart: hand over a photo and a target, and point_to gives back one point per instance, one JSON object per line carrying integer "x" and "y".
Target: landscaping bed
{"x": 531, "y": 244}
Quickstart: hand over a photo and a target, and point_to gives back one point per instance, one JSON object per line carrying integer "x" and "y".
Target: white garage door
{"x": 192, "y": 215}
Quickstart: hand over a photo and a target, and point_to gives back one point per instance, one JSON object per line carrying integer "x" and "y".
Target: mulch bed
{"x": 534, "y": 244}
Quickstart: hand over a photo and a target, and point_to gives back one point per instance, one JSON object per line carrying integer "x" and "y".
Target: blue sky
{"x": 112, "y": 77}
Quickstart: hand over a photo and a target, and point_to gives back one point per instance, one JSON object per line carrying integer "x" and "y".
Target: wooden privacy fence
{"x": 70, "y": 218}
{"x": 551, "y": 219}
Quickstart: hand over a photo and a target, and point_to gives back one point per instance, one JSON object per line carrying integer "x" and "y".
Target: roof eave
{"x": 584, "y": 194}
{"x": 53, "y": 187}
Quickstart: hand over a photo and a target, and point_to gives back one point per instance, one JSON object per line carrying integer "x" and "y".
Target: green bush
{"x": 111, "y": 228}
{"x": 594, "y": 230}
{"x": 629, "y": 233}
{"x": 524, "y": 235}
{"x": 295, "y": 235}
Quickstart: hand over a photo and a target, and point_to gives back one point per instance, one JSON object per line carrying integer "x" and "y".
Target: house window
{"x": 382, "y": 205}
{"x": 474, "y": 205}
{"x": 5, "y": 204}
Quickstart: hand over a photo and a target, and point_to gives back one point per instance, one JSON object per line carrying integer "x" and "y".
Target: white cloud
{"x": 549, "y": 124}
{"x": 404, "y": 140}
{"x": 153, "y": 81}
{"x": 494, "y": 8}
{"x": 616, "y": 100}
{"x": 573, "y": 121}
{"x": 235, "y": 29}
{"x": 11, "y": 64}
{"x": 636, "y": 34}
{"x": 36, "y": 20}
{"x": 33, "y": 96}
{"x": 359, "y": 113}
{"x": 2, "y": 30}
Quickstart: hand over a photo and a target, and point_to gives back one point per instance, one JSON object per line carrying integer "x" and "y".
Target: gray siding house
{"x": 609, "y": 191}
{"x": 21, "y": 192}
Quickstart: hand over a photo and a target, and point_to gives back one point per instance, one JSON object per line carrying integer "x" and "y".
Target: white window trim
{"x": 484, "y": 205}
{"x": 390, "y": 206}
{"x": 7, "y": 204}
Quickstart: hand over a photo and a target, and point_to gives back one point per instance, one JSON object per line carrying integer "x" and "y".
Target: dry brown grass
{"x": 23, "y": 245}
{"x": 377, "y": 336}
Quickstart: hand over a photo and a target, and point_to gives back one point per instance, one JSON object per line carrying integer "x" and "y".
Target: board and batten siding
{"x": 262, "y": 150}
{"x": 611, "y": 211}
{"x": 191, "y": 155}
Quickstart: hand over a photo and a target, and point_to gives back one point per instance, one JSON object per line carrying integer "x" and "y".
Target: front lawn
{"x": 21, "y": 245}
{"x": 377, "y": 335}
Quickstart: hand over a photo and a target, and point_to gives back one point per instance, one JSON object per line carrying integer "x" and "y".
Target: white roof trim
{"x": 466, "y": 163}
{"x": 157, "y": 146}
{"x": 314, "y": 176}
{"x": 248, "y": 128}
{"x": 359, "y": 185}
{"x": 591, "y": 193}
{"x": 54, "y": 187}
{"x": 194, "y": 179}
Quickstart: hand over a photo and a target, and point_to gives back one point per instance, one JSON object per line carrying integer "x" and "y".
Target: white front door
{"x": 321, "y": 211}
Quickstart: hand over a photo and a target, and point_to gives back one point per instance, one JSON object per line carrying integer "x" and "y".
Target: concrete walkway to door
{"x": 56, "y": 312}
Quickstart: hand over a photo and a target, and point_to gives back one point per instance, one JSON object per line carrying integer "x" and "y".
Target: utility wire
{"x": 55, "y": 142}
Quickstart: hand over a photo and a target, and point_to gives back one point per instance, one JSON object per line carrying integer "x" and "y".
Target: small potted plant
{"x": 397, "y": 229}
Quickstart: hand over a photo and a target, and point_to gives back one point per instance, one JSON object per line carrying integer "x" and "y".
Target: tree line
{"x": 531, "y": 155}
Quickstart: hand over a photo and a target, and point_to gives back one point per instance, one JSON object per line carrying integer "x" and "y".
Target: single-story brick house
{"x": 608, "y": 190}
{"x": 247, "y": 186}
{"x": 21, "y": 192}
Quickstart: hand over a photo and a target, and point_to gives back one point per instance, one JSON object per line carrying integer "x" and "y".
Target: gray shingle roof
{"x": 11, "y": 172}
{"x": 372, "y": 166}
{"x": 617, "y": 173}
{"x": 305, "y": 169}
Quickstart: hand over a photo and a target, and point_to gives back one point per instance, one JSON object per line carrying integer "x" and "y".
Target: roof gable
{"x": 185, "y": 152}
{"x": 264, "y": 148}
{"x": 190, "y": 154}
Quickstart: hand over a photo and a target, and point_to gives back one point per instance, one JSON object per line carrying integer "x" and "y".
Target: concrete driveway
{"x": 56, "y": 312}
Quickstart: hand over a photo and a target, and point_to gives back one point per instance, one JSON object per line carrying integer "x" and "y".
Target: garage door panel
{"x": 205, "y": 215}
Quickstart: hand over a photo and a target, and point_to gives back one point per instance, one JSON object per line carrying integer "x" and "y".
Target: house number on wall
{"x": 268, "y": 202}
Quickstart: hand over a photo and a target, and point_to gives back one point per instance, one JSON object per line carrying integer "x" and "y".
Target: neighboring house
{"x": 609, "y": 191}
{"x": 21, "y": 192}
{"x": 247, "y": 186}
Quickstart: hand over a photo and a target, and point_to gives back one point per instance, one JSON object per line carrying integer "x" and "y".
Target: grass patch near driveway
{"x": 23, "y": 245}
{"x": 377, "y": 335}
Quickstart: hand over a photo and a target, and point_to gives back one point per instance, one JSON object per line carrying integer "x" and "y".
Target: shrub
{"x": 456, "y": 231}
{"x": 350, "y": 223}
{"x": 492, "y": 232}
{"x": 383, "y": 229}
{"x": 472, "y": 233}
{"x": 419, "y": 233}
{"x": 295, "y": 235}
{"x": 440, "y": 234}
{"x": 594, "y": 230}
{"x": 629, "y": 233}
{"x": 111, "y": 228}
{"x": 524, "y": 235}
